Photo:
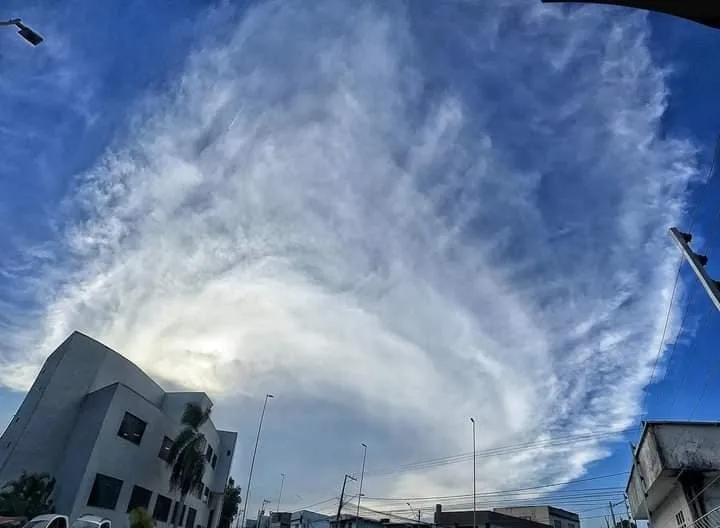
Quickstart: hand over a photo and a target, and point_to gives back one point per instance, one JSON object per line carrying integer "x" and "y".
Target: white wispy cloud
{"x": 415, "y": 217}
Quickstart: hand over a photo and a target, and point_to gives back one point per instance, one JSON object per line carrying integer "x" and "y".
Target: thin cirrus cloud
{"x": 415, "y": 214}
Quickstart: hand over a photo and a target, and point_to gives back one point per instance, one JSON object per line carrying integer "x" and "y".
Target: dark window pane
{"x": 209, "y": 453}
{"x": 105, "y": 492}
{"x": 162, "y": 508}
{"x": 210, "y": 518}
{"x": 214, "y": 461}
{"x": 165, "y": 449}
{"x": 228, "y": 452}
{"x": 190, "y": 522}
{"x": 132, "y": 428}
{"x": 182, "y": 515}
{"x": 139, "y": 498}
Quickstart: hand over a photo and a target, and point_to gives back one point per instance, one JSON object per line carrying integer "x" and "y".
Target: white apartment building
{"x": 555, "y": 517}
{"x": 675, "y": 477}
{"x": 103, "y": 428}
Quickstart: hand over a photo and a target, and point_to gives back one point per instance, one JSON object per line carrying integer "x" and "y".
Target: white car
{"x": 91, "y": 521}
{"x": 49, "y": 520}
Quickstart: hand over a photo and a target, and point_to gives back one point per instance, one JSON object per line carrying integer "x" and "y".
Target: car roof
{"x": 92, "y": 518}
{"x": 46, "y": 517}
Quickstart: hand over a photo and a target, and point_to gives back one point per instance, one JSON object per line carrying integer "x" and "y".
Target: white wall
{"x": 664, "y": 514}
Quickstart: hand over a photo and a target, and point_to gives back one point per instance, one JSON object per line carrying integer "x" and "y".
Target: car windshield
{"x": 80, "y": 523}
{"x": 37, "y": 524}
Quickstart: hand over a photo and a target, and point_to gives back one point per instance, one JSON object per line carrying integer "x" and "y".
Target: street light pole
{"x": 474, "y": 477}
{"x": 25, "y": 32}
{"x": 282, "y": 483}
{"x": 362, "y": 475}
{"x": 252, "y": 462}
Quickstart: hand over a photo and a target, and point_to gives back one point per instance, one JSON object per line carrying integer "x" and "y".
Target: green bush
{"x": 140, "y": 518}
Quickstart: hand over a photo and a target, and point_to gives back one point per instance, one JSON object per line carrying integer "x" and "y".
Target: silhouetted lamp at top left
{"x": 25, "y": 32}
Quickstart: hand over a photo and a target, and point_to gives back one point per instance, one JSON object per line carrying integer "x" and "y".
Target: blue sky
{"x": 392, "y": 215}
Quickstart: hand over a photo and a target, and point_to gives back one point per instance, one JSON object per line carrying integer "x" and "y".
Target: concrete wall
{"x": 664, "y": 515}
{"x": 80, "y": 446}
{"x": 49, "y": 410}
{"x": 694, "y": 447}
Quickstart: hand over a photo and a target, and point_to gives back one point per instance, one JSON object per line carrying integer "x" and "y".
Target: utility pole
{"x": 261, "y": 513}
{"x": 612, "y": 514}
{"x": 413, "y": 511}
{"x": 627, "y": 508}
{"x": 697, "y": 263}
{"x": 474, "y": 477}
{"x": 342, "y": 496}
{"x": 362, "y": 475}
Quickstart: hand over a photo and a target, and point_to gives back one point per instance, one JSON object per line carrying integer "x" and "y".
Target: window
{"x": 105, "y": 492}
{"x": 680, "y": 519}
{"x": 190, "y": 522}
{"x": 164, "y": 453}
{"x": 557, "y": 523}
{"x": 209, "y": 453}
{"x": 228, "y": 452}
{"x": 182, "y": 514}
{"x": 206, "y": 495}
{"x": 105, "y": 525}
{"x": 210, "y": 518}
{"x": 162, "y": 508}
{"x": 139, "y": 498}
{"x": 571, "y": 525}
{"x": 214, "y": 461}
{"x": 132, "y": 428}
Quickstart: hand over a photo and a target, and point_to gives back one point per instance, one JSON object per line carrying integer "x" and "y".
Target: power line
{"x": 667, "y": 320}
{"x": 510, "y": 449}
{"x": 435, "y": 497}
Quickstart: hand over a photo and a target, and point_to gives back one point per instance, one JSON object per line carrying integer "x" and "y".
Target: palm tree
{"x": 231, "y": 505}
{"x": 28, "y": 495}
{"x": 187, "y": 453}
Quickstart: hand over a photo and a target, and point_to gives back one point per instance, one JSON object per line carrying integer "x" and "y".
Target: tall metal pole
{"x": 474, "y": 477}
{"x": 362, "y": 475}
{"x": 282, "y": 483}
{"x": 697, "y": 263}
{"x": 342, "y": 496}
{"x": 252, "y": 462}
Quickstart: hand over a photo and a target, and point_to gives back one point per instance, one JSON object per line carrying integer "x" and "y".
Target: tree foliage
{"x": 27, "y": 496}
{"x": 231, "y": 505}
{"x": 187, "y": 452}
{"x": 140, "y": 518}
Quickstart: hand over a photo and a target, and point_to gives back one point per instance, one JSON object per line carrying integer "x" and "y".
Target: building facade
{"x": 675, "y": 477}
{"x": 103, "y": 429}
{"x": 309, "y": 519}
{"x": 555, "y": 517}
{"x": 483, "y": 518}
